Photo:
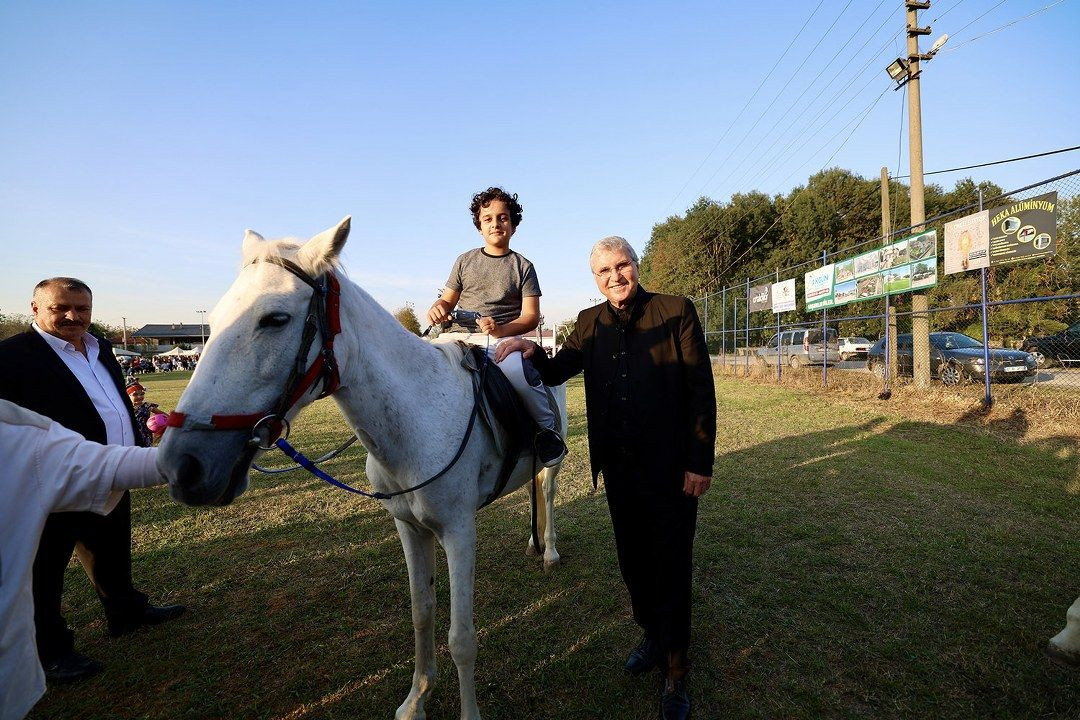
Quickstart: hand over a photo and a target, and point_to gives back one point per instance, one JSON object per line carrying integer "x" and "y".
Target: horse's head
{"x": 252, "y": 354}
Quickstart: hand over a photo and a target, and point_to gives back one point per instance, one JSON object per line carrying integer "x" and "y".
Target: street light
{"x": 202, "y": 323}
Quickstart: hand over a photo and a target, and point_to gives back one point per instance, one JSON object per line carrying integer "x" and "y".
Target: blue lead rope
{"x": 299, "y": 458}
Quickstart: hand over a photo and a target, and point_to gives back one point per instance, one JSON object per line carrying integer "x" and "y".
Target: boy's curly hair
{"x": 483, "y": 199}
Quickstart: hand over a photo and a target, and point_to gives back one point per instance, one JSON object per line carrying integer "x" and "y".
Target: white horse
{"x": 404, "y": 399}
{"x": 1064, "y": 648}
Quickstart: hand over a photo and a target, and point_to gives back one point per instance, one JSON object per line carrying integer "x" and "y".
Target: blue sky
{"x": 140, "y": 139}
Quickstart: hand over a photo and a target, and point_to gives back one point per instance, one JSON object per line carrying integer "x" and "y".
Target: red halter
{"x": 323, "y": 318}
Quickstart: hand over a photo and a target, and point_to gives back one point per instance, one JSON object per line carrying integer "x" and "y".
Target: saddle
{"x": 511, "y": 425}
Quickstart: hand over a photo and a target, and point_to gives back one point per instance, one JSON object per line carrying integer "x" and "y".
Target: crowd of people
{"x": 134, "y": 365}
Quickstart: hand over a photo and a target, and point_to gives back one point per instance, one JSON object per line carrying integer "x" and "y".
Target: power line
{"x": 732, "y": 124}
{"x": 782, "y": 115}
{"x": 979, "y": 18}
{"x": 1009, "y": 24}
{"x": 996, "y": 162}
{"x": 780, "y": 93}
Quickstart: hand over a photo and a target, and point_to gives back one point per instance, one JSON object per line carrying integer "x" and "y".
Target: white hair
{"x": 613, "y": 243}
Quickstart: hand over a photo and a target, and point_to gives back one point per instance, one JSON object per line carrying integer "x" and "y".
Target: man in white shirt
{"x": 47, "y": 469}
{"x": 60, "y": 370}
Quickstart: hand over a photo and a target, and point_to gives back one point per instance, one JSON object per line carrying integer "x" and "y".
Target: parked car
{"x": 799, "y": 347}
{"x": 854, "y": 347}
{"x": 1061, "y": 348}
{"x": 957, "y": 358}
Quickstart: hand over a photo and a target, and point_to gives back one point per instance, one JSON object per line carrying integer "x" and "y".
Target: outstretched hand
{"x": 512, "y": 345}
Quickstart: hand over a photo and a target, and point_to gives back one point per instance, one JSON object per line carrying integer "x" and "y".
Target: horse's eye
{"x": 278, "y": 319}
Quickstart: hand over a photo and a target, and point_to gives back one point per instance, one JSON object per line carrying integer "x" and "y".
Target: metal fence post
{"x": 723, "y": 327}
{"x": 988, "y": 399}
{"x": 779, "y": 372}
{"x": 747, "y": 363}
{"x": 825, "y": 331}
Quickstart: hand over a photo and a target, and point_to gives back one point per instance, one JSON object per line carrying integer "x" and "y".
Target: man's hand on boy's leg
{"x": 512, "y": 345}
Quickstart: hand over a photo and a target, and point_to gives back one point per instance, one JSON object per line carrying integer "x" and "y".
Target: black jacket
{"x": 32, "y": 375}
{"x": 663, "y": 413}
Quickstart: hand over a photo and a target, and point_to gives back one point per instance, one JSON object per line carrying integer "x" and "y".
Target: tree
{"x": 563, "y": 330}
{"x": 406, "y": 315}
{"x": 13, "y": 324}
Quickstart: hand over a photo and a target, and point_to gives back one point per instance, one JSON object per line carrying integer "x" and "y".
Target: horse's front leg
{"x": 419, "y": 546}
{"x": 460, "y": 546}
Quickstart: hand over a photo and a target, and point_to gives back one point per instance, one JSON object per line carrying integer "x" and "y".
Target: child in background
{"x": 143, "y": 413}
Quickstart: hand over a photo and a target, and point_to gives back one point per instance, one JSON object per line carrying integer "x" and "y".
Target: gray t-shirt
{"x": 493, "y": 285}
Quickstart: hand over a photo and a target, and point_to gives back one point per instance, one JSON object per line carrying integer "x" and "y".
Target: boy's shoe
{"x": 550, "y": 448}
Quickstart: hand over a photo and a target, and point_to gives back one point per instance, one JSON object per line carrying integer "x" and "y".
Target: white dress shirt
{"x": 47, "y": 468}
{"x": 109, "y": 402}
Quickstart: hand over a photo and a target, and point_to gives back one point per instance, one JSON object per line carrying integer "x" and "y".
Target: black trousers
{"x": 104, "y": 545}
{"x": 654, "y": 525}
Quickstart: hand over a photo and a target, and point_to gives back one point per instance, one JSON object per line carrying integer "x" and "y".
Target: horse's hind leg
{"x": 1064, "y": 648}
{"x": 419, "y": 546}
{"x": 545, "y": 489}
{"x": 460, "y": 546}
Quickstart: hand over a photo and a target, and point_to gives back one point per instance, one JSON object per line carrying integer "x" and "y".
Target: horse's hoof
{"x": 531, "y": 551}
{"x": 1062, "y": 657}
{"x": 550, "y": 565}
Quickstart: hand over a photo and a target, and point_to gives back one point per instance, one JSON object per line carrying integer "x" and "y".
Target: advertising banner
{"x": 967, "y": 243}
{"x": 760, "y": 298}
{"x": 1024, "y": 230}
{"x": 903, "y": 266}
{"x": 818, "y": 286}
{"x": 783, "y": 296}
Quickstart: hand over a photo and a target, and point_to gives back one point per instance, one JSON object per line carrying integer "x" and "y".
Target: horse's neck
{"x": 397, "y": 390}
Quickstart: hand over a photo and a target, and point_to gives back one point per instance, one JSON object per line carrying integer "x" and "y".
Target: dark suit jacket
{"x": 33, "y": 376}
{"x": 667, "y": 422}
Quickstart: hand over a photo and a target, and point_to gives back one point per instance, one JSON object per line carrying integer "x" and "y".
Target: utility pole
{"x": 202, "y": 327}
{"x": 890, "y": 311}
{"x": 920, "y": 318}
{"x": 125, "y": 331}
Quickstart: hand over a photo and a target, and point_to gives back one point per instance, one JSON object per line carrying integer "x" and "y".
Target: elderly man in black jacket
{"x": 61, "y": 371}
{"x": 651, "y": 410}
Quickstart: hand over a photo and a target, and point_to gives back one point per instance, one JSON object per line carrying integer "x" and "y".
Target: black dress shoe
{"x": 70, "y": 668}
{"x": 674, "y": 700}
{"x": 150, "y": 615}
{"x": 642, "y": 659}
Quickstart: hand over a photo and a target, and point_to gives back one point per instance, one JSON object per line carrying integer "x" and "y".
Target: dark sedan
{"x": 957, "y": 358}
{"x": 1064, "y": 347}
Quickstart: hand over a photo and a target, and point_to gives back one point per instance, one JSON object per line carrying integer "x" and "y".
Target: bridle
{"x": 323, "y": 320}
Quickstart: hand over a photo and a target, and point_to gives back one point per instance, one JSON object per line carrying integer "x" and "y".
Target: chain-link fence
{"x": 1029, "y": 311}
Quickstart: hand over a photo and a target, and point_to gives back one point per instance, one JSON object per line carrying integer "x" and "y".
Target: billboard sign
{"x": 1024, "y": 230}
{"x": 761, "y": 297}
{"x": 902, "y": 266}
{"x": 967, "y": 243}
{"x": 783, "y": 296}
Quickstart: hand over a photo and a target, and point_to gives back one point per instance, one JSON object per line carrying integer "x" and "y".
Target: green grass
{"x": 850, "y": 563}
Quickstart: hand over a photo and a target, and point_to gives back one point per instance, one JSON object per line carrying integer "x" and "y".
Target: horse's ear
{"x": 252, "y": 240}
{"x": 320, "y": 252}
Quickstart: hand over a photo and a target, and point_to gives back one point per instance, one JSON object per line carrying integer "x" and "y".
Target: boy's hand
{"x": 438, "y": 313}
{"x": 486, "y": 325}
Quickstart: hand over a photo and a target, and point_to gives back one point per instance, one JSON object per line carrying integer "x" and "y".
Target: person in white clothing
{"x": 47, "y": 469}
